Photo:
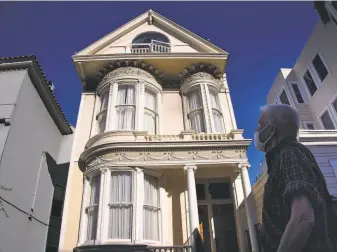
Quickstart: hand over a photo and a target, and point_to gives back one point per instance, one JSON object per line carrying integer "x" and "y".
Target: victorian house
{"x": 158, "y": 161}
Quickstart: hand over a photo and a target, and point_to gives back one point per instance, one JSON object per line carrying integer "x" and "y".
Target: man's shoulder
{"x": 294, "y": 148}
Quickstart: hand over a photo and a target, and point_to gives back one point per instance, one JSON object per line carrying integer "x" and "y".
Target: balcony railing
{"x": 171, "y": 249}
{"x": 150, "y": 48}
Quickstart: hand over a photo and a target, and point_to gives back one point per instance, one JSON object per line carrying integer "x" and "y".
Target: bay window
{"x": 125, "y": 107}
{"x": 202, "y": 108}
{"x": 129, "y": 210}
{"x": 129, "y": 100}
{"x": 195, "y": 111}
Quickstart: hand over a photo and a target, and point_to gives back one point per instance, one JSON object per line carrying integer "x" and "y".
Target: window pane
{"x": 194, "y": 100}
{"x": 214, "y": 99}
{"x": 92, "y": 209}
{"x": 125, "y": 117}
{"x": 310, "y": 126}
{"x": 200, "y": 191}
{"x": 197, "y": 121}
{"x": 150, "y": 117}
{"x": 219, "y": 190}
{"x": 104, "y": 100}
{"x": 151, "y": 208}
{"x": 297, "y": 93}
{"x": 120, "y": 222}
{"x": 284, "y": 98}
{"x": 327, "y": 122}
{"x": 217, "y": 121}
{"x": 334, "y": 104}
{"x": 320, "y": 67}
{"x": 101, "y": 119}
{"x": 126, "y": 95}
{"x": 309, "y": 81}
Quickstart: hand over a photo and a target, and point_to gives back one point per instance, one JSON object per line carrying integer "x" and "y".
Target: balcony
{"x": 153, "y": 47}
{"x": 144, "y": 137}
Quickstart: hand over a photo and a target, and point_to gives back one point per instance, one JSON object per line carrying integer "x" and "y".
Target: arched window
{"x": 150, "y": 42}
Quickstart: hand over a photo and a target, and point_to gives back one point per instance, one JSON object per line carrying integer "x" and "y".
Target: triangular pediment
{"x": 120, "y": 40}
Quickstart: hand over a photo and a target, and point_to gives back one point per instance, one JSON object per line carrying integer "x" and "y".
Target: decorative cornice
{"x": 198, "y": 78}
{"x": 126, "y": 73}
{"x": 160, "y": 153}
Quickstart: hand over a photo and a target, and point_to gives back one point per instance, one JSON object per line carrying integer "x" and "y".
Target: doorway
{"x": 216, "y": 216}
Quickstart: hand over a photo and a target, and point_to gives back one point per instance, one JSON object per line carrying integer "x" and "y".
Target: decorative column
{"x": 250, "y": 211}
{"x": 192, "y": 197}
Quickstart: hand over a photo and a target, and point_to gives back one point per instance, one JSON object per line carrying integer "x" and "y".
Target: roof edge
{"x": 42, "y": 86}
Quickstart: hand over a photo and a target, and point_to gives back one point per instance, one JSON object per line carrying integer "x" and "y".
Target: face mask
{"x": 261, "y": 145}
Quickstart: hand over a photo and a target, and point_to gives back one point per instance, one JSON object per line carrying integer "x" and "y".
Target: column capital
{"x": 192, "y": 167}
{"x": 244, "y": 165}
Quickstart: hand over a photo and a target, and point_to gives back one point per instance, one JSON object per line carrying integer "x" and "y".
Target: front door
{"x": 216, "y": 216}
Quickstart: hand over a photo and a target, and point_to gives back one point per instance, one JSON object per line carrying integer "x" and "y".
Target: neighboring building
{"x": 311, "y": 87}
{"x": 157, "y": 154}
{"x": 35, "y": 146}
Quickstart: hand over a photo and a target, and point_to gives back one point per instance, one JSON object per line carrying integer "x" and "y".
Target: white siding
{"x": 32, "y": 131}
{"x": 322, "y": 155}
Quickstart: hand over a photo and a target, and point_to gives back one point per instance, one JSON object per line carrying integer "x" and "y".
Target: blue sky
{"x": 261, "y": 37}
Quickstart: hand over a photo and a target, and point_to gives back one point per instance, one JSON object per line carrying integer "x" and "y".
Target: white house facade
{"x": 35, "y": 145}
{"x": 157, "y": 162}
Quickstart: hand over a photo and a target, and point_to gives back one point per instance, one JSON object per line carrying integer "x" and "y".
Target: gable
{"x": 182, "y": 40}
{"x": 120, "y": 45}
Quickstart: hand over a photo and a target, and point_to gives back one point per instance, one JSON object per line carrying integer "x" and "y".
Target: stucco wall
{"x": 32, "y": 131}
{"x": 73, "y": 197}
{"x": 173, "y": 122}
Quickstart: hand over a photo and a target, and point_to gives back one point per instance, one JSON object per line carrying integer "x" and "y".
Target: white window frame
{"x": 112, "y": 89}
{"x": 331, "y": 10}
{"x": 333, "y": 110}
{"x": 206, "y": 107}
{"x": 202, "y": 108}
{"x": 326, "y": 109}
{"x": 314, "y": 72}
{"x": 278, "y": 100}
{"x": 219, "y": 110}
{"x": 290, "y": 84}
{"x": 157, "y": 108}
{"x": 137, "y": 208}
{"x": 309, "y": 68}
{"x": 305, "y": 124}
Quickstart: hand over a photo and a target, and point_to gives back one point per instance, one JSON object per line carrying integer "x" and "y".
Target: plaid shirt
{"x": 293, "y": 169}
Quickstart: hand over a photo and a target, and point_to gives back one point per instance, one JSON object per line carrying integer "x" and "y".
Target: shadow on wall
{"x": 176, "y": 191}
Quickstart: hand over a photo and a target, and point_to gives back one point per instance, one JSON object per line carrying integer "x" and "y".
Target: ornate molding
{"x": 129, "y": 72}
{"x": 200, "y": 77}
{"x": 158, "y": 157}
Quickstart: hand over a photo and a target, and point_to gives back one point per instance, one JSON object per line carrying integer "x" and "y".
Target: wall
{"x": 323, "y": 39}
{"x": 32, "y": 131}
{"x": 172, "y": 113}
{"x": 73, "y": 197}
{"x": 10, "y": 83}
{"x": 122, "y": 45}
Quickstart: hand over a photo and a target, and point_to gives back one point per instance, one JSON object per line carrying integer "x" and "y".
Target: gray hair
{"x": 284, "y": 117}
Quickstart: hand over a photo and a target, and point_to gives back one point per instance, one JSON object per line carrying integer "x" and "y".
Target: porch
{"x": 197, "y": 185}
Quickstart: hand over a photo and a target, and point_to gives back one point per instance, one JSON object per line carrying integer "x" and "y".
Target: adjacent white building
{"x": 310, "y": 86}
{"x": 35, "y": 146}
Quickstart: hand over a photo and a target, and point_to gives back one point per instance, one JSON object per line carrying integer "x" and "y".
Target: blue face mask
{"x": 262, "y": 145}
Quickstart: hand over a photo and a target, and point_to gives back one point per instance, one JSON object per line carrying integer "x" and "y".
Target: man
{"x": 294, "y": 210}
